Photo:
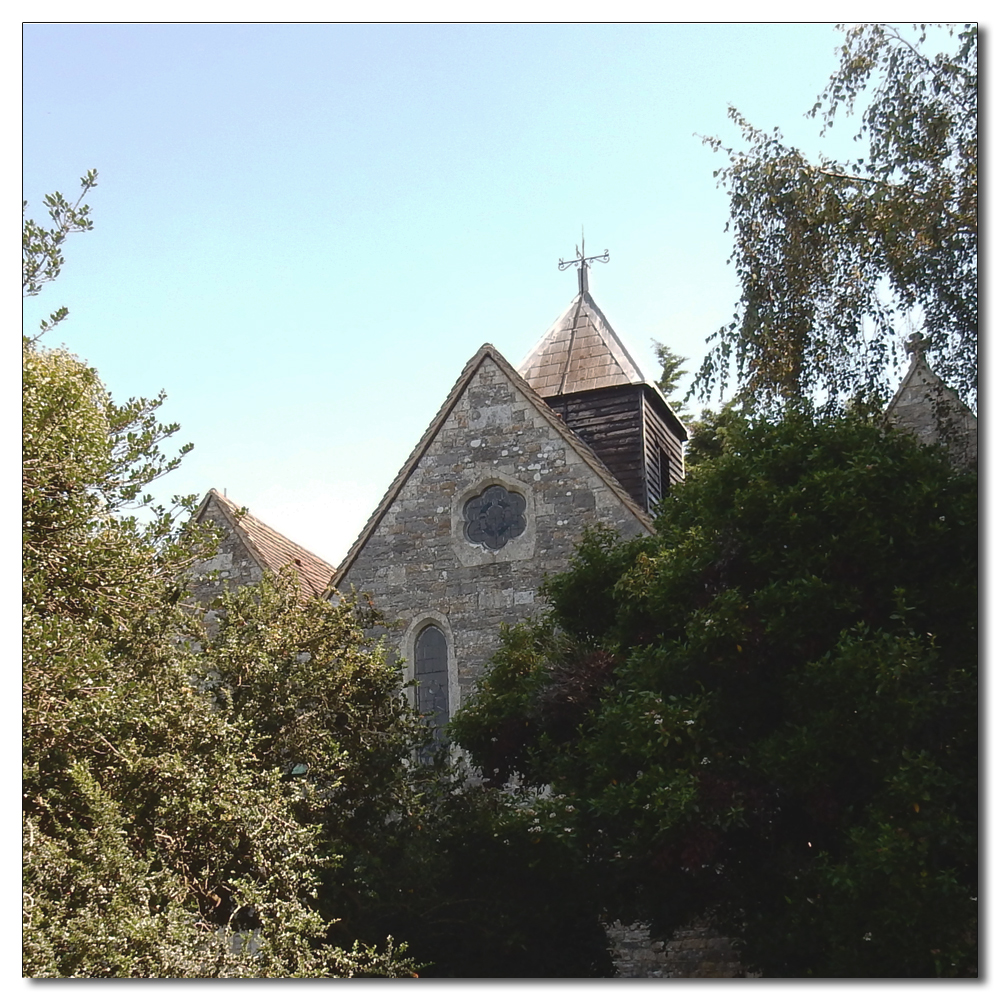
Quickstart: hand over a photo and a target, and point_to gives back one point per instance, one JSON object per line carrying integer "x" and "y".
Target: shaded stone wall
{"x": 694, "y": 952}
{"x": 419, "y": 566}
{"x": 930, "y": 411}
{"x": 231, "y": 568}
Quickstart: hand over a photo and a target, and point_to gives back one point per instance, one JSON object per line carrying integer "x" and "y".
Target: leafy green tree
{"x": 834, "y": 257}
{"x": 248, "y": 802}
{"x": 475, "y": 885}
{"x": 42, "y": 255}
{"x": 462, "y": 874}
{"x": 518, "y": 888}
{"x": 670, "y": 374}
{"x": 707, "y": 434}
{"x": 159, "y": 840}
{"x": 322, "y": 707}
{"x": 319, "y": 698}
{"x": 768, "y": 710}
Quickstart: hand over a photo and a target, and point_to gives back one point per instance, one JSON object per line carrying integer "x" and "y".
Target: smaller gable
{"x": 927, "y": 408}
{"x": 250, "y": 547}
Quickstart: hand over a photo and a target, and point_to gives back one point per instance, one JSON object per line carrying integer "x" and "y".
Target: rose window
{"x": 494, "y": 517}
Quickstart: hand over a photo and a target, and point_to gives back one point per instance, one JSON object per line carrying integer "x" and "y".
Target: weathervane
{"x": 583, "y": 261}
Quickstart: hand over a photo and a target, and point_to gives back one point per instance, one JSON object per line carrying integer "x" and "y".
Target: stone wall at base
{"x": 694, "y": 952}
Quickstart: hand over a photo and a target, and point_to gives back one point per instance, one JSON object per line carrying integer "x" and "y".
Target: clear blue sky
{"x": 303, "y": 232}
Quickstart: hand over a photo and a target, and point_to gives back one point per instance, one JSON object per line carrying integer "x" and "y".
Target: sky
{"x": 302, "y": 232}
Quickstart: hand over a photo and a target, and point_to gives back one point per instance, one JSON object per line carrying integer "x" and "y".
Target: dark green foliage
{"x": 707, "y": 435}
{"x": 479, "y": 888}
{"x": 768, "y": 710}
{"x": 245, "y": 803}
{"x": 314, "y": 692}
{"x": 147, "y": 821}
{"x": 835, "y": 258}
{"x": 456, "y": 872}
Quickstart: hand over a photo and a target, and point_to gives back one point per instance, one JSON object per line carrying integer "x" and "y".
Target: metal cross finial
{"x": 583, "y": 261}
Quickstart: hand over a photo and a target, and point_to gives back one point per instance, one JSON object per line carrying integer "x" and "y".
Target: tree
{"x": 478, "y": 889}
{"x": 159, "y": 839}
{"x": 834, "y": 257}
{"x": 42, "y": 248}
{"x": 458, "y": 872}
{"x": 670, "y": 373}
{"x": 248, "y": 803}
{"x": 768, "y": 710}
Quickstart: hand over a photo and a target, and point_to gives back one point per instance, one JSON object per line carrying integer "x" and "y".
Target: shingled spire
{"x": 579, "y": 351}
{"x": 583, "y": 370}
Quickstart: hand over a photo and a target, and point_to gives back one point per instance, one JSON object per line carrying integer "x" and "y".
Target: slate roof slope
{"x": 272, "y": 550}
{"x": 579, "y": 351}
{"x": 583, "y": 449}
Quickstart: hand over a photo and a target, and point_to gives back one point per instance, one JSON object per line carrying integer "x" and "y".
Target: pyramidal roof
{"x": 272, "y": 550}
{"x": 579, "y": 351}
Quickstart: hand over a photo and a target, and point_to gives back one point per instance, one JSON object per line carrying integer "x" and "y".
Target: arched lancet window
{"x": 431, "y": 672}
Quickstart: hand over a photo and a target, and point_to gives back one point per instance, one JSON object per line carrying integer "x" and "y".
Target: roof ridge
{"x": 421, "y": 446}
{"x": 572, "y": 335}
{"x": 918, "y": 361}
{"x": 616, "y": 339}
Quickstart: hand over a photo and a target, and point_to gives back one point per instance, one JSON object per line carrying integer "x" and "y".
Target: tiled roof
{"x": 273, "y": 550}
{"x": 580, "y": 351}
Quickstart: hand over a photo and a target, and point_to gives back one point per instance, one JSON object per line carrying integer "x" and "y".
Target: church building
{"x": 496, "y": 495}
{"x": 928, "y": 409}
{"x": 498, "y": 491}
{"x": 248, "y": 548}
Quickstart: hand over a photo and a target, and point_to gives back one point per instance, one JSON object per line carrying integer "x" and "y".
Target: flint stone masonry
{"x": 417, "y": 563}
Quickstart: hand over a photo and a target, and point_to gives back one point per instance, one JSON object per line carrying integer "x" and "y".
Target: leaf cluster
{"x": 157, "y": 842}
{"x": 833, "y": 257}
{"x": 670, "y": 374}
{"x": 245, "y": 801}
{"x": 42, "y": 255}
{"x": 481, "y": 884}
{"x": 784, "y": 734}
{"x": 161, "y": 838}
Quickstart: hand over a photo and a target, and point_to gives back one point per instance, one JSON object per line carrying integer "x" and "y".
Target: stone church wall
{"x": 925, "y": 407}
{"x": 694, "y": 952}
{"x": 420, "y": 568}
{"x": 233, "y": 565}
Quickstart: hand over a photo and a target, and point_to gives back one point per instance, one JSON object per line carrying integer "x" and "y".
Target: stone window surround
{"x": 407, "y": 650}
{"x": 483, "y": 475}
